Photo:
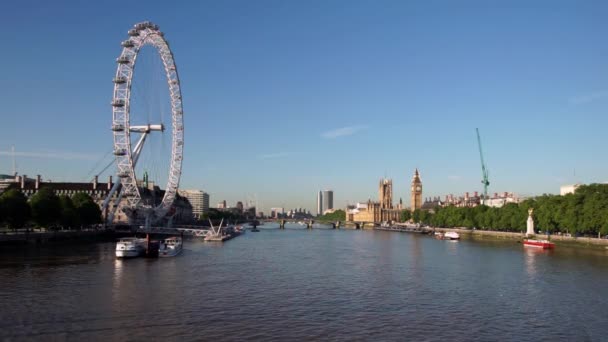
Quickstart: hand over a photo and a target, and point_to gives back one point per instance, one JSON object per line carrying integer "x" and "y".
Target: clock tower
{"x": 416, "y": 200}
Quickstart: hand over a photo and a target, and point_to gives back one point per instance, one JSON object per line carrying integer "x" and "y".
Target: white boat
{"x": 170, "y": 247}
{"x": 451, "y": 236}
{"x": 130, "y": 247}
{"x": 447, "y": 236}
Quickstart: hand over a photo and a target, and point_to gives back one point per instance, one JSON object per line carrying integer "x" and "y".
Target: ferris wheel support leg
{"x": 110, "y": 217}
{"x": 147, "y": 222}
{"x": 106, "y": 202}
{"x": 138, "y": 148}
{"x": 108, "y": 199}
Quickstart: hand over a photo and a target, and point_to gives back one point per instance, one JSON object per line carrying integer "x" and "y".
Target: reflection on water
{"x": 531, "y": 256}
{"x": 452, "y": 246}
{"x": 118, "y": 272}
{"x": 299, "y": 284}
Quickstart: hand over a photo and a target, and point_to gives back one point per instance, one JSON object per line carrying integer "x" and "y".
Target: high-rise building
{"x": 222, "y": 205}
{"x": 416, "y": 199}
{"x": 320, "y": 203}
{"x": 276, "y": 212}
{"x": 199, "y": 201}
{"x": 328, "y": 200}
{"x": 239, "y": 206}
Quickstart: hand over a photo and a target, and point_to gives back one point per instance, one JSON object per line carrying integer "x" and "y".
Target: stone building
{"x": 181, "y": 211}
{"x": 377, "y": 211}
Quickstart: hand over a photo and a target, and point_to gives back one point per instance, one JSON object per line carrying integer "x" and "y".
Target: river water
{"x": 297, "y": 284}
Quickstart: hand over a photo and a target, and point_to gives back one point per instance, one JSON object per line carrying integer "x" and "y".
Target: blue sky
{"x": 283, "y": 98}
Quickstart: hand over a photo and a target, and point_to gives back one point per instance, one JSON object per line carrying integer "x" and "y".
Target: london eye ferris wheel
{"x": 138, "y": 114}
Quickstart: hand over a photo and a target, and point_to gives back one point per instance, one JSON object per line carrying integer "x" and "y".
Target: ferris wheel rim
{"x": 143, "y": 34}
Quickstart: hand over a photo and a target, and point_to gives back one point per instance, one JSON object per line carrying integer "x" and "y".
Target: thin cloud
{"x": 274, "y": 155}
{"x": 343, "y": 132}
{"x": 65, "y": 155}
{"x": 454, "y": 177}
{"x": 582, "y": 99}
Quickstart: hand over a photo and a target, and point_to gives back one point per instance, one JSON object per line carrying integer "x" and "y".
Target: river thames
{"x": 280, "y": 285}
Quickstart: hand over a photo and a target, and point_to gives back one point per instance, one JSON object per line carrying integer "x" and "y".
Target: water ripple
{"x": 306, "y": 285}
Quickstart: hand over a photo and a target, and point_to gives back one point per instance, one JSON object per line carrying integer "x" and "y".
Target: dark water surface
{"x": 307, "y": 285}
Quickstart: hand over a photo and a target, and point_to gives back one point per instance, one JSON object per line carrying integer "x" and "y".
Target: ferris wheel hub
{"x": 147, "y": 128}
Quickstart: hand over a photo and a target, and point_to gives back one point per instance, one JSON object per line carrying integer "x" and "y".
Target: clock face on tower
{"x": 418, "y": 188}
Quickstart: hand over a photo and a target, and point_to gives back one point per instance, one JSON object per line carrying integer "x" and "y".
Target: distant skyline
{"x": 283, "y": 98}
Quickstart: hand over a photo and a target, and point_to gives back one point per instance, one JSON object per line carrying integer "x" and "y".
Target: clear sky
{"x": 284, "y": 98}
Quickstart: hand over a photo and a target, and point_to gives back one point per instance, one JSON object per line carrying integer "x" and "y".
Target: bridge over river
{"x": 312, "y": 224}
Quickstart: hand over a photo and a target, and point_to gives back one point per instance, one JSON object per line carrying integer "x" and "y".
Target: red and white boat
{"x": 544, "y": 244}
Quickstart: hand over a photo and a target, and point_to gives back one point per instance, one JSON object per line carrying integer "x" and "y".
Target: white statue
{"x": 530, "y": 223}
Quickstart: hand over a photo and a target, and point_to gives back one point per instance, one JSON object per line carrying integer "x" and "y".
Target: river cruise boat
{"x": 170, "y": 247}
{"x": 544, "y": 244}
{"x": 130, "y": 247}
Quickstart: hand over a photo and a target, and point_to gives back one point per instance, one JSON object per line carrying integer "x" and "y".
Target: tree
{"x": 46, "y": 207}
{"x": 338, "y": 215}
{"x": 406, "y": 215}
{"x": 572, "y": 215}
{"x": 87, "y": 211}
{"x": 416, "y": 216}
{"x": 15, "y": 208}
{"x": 425, "y": 217}
{"x": 69, "y": 216}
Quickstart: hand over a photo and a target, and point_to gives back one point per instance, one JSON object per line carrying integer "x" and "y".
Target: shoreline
{"x": 65, "y": 236}
{"x": 557, "y": 239}
{"x": 111, "y": 235}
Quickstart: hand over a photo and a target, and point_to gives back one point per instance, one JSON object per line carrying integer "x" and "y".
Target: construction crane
{"x": 484, "y": 171}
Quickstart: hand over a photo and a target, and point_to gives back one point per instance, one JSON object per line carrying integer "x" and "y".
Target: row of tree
{"x": 583, "y": 212}
{"x": 338, "y": 215}
{"x": 45, "y": 209}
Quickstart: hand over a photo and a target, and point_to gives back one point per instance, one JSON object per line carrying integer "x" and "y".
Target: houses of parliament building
{"x": 383, "y": 210}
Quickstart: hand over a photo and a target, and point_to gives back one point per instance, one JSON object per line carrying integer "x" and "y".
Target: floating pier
{"x": 405, "y": 229}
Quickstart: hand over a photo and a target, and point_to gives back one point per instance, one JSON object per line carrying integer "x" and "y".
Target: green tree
{"x": 573, "y": 211}
{"x": 87, "y": 210}
{"x": 425, "y": 217}
{"x": 46, "y": 207}
{"x": 416, "y": 215}
{"x": 338, "y": 215}
{"x": 69, "y": 216}
{"x": 15, "y": 207}
{"x": 479, "y": 213}
{"x": 406, "y": 215}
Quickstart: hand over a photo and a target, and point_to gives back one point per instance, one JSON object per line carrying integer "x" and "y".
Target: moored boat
{"x": 451, "y": 236}
{"x": 170, "y": 247}
{"x": 130, "y": 247}
{"x": 544, "y": 244}
{"x": 240, "y": 230}
{"x": 447, "y": 236}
